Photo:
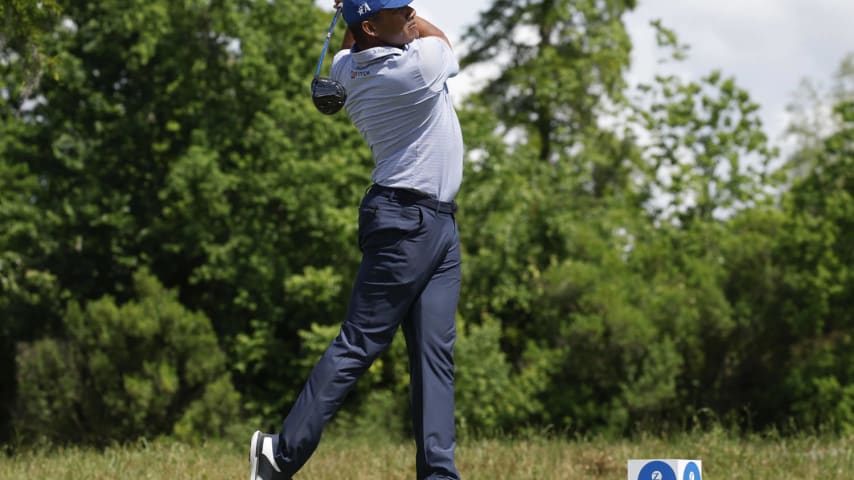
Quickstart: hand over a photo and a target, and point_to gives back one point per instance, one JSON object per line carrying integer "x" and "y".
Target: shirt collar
{"x": 364, "y": 57}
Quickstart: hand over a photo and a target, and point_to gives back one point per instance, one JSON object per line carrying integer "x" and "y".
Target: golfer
{"x": 394, "y": 66}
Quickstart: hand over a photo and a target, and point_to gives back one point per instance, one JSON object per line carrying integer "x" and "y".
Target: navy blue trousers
{"x": 410, "y": 278}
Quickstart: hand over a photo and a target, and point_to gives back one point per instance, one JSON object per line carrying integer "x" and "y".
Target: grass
{"x": 723, "y": 456}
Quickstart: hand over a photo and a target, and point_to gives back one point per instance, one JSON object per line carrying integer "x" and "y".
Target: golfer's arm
{"x": 427, "y": 29}
{"x": 348, "y": 41}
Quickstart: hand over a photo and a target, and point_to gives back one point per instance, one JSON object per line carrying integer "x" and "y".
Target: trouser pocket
{"x": 384, "y": 224}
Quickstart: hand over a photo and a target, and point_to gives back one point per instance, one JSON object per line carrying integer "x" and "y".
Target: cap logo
{"x": 364, "y": 9}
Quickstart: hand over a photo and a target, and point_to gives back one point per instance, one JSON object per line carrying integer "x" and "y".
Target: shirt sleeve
{"x": 438, "y": 62}
{"x": 338, "y": 63}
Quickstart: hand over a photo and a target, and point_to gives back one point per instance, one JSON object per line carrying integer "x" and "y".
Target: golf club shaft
{"x": 326, "y": 44}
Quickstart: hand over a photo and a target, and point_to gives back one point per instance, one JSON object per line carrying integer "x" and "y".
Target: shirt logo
{"x": 354, "y": 74}
{"x": 364, "y": 9}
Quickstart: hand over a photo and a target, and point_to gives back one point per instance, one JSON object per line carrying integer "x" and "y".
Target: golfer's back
{"x": 399, "y": 102}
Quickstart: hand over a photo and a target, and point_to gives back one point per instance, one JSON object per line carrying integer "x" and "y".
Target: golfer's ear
{"x": 369, "y": 28}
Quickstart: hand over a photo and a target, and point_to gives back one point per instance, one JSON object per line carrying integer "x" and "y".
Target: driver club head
{"x": 328, "y": 95}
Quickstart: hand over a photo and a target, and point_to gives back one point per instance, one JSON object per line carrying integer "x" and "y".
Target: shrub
{"x": 146, "y": 368}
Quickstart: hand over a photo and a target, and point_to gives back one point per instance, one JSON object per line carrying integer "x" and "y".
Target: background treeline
{"x": 178, "y": 223}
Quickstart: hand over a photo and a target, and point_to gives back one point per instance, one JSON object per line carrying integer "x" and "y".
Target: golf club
{"x": 327, "y": 94}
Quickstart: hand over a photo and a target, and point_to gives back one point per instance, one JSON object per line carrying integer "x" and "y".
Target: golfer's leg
{"x": 344, "y": 362}
{"x": 430, "y": 332}
{"x": 389, "y": 279}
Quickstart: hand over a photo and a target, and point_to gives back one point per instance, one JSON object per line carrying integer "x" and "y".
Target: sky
{"x": 769, "y": 46}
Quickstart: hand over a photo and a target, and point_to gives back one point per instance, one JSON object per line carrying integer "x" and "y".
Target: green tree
{"x": 564, "y": 61}
{"x": 31, "y": 299}
{"x": 145, "y": 368}
{"x": 610, "y": 261}
{"x": 552, "y": 202}
{"x": 813, "y": 118}
{"x": 181, "y": 136}
{"x": 24, "y": 23}
{"x": 707, "y": 156}
{"x": 817, "y": 285}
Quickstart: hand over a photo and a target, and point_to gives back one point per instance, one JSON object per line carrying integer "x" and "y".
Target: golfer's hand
{"x": 337, "y": 4}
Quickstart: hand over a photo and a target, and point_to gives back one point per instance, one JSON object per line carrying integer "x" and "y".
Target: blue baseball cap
{"x": 356, "y": 11}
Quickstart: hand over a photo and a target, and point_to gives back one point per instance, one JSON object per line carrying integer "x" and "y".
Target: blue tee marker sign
{"x": 674, "y": 469}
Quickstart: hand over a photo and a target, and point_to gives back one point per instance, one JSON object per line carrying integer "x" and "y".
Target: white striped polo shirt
{"x": 398, "y": 99}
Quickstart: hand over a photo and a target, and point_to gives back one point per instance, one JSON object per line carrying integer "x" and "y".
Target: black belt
{"x": 410, "y": 197}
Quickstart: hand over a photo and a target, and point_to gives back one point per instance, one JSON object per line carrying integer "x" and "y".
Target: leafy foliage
{"x": 24, "y": 23}
{"x": 146, "y": 368}
{"x": 628, "y": 253}
{"x": 818, "y": 305}
{"x": 708, "y": 155}
{"x": 178, "y": 136}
